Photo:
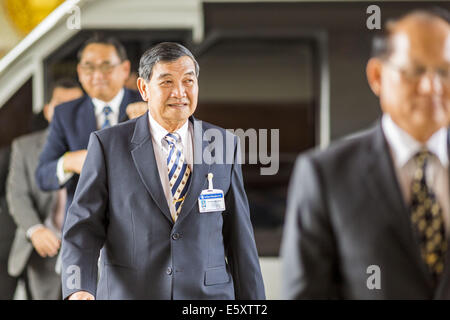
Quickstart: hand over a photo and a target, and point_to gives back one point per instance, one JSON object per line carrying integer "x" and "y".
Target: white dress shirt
{"x": 114, "y": 104}
{"x": 403, "y": 147}
{"x": 161, "y": 150}
{"x": 113, "y": 117}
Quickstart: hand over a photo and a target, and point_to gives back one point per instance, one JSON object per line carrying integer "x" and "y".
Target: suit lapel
{"x": 88, "y": 119}
{"x": 384, "y": 186}
{"x": 200, "y": 171}
{"x": 123, "y": 106}
{"x": 145, "y": 162}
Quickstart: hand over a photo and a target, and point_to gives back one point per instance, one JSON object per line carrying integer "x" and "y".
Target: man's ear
{"x": 373, "y": 73}
{"x": 142, "y": 87}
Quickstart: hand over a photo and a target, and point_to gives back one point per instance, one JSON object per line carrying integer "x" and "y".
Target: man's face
{"x": 415, "y": 79}
{"x": 60, "y": 95}
{"x": 101, "y": 72}
{"x": 172, "y": 91}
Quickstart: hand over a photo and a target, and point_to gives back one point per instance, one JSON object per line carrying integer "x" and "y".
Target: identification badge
{"x": 211, "y": 199}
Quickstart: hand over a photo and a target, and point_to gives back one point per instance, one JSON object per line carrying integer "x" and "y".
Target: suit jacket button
{"x": 176, "y": 236}
{"x": 169, "y": 271}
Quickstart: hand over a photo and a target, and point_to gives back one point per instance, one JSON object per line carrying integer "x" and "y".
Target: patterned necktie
{"x": 427, "y": 218}
{"x": 106, "y": 111}
{"x": 179, "y": 172}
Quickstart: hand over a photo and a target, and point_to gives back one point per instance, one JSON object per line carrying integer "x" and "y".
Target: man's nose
{"x": 430, "y": 83}
{"x": 97, "y": 74}
{"x": 178, "y": 91}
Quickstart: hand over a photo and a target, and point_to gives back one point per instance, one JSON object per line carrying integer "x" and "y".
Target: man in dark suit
{"x": 102, "y": 70}
{"x": 368, "y": 218}
{"x": 138, "y": 201}
{"x": 38, "y": 214}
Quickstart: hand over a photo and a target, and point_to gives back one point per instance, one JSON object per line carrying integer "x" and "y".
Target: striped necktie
{"x": 106, "y": 111}
{"x": 179, "y": 172}
{"x": 427, "y": 218}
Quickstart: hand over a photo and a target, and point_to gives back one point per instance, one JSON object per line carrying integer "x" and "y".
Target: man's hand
{"x": 73, "y": 161}
{"x": 45, "y": 242}
{"x": 81, "y": 295}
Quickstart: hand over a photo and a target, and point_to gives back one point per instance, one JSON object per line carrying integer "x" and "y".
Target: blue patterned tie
{"x": 179, "y": 171}
{"x": 106, "y": 111}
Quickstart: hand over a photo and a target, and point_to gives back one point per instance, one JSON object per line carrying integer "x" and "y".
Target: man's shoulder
{"x": 69, "y": 108}
{"x": 122, "y": 129}
{"x": 346, "y": 150}
{"x": 30, "y": 139}
{"x": 133, "y": 95}
{"x": 72, "y": 104}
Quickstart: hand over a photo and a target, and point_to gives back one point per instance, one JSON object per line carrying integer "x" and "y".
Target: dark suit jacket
{"x": 120, "y": 205}
{"x": 70, "y": 128}
{"x": 345, "y": 213}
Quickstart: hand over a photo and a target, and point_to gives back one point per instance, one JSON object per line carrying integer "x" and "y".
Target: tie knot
{"x": 107, "y": 110}
{"x": 172, "y": 138}
{"x": 421, "y": 158}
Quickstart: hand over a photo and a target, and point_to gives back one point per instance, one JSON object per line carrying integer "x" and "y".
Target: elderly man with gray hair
{"x": 169, "y": 227}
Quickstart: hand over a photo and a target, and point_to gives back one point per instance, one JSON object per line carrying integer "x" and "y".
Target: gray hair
{"x": 165, "y": 52}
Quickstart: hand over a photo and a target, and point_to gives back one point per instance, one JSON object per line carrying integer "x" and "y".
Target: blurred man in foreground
{"x": 368, "y": 218}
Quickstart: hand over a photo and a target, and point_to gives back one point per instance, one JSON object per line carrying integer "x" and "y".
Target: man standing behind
{"x": 138, "y": 201}
{"x": 368, "y": 218}
{"x": 102, "y": 70}
{"x": 8, "y": 284}
{"x": 37, "y": 214}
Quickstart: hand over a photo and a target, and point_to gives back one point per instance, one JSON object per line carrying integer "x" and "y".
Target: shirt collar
{"x": 404, "y": 147}
{"x": 114, "y": 104}
{"x": 158, "y": 132}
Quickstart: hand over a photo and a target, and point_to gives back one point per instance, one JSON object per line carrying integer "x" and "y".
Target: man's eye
{"x": 167, "y": 82}
{"x": 443, "y": 72}
{"x": 419, "y": 71}
{"x": 189, "y": 81}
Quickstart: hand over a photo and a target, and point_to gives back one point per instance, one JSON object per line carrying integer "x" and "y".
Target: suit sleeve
{"x": 18, "y": 193}
{"x": 239, "y": 239}
{"x": 54, "y": 148}
{"x": 85, "y": 226}
{"x": 308, "y": 247}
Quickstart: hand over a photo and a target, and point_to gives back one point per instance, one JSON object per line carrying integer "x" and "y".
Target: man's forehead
{"x": 424, "y": 43}
{"x": 100, "y": 51}
{"x": 183, "y": 65}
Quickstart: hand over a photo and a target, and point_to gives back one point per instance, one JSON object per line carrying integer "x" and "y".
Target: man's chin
{"x": 101, "y": 95}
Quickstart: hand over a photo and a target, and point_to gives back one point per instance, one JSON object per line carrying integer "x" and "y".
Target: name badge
{"x": 211, "y": 199}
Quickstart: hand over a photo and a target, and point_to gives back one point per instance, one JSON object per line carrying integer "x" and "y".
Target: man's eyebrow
{"x": 163, "y": 75}
{"x": 190, "y": 73}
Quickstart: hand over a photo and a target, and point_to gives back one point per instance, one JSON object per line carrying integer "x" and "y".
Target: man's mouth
{"x": 177, "y": 105}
